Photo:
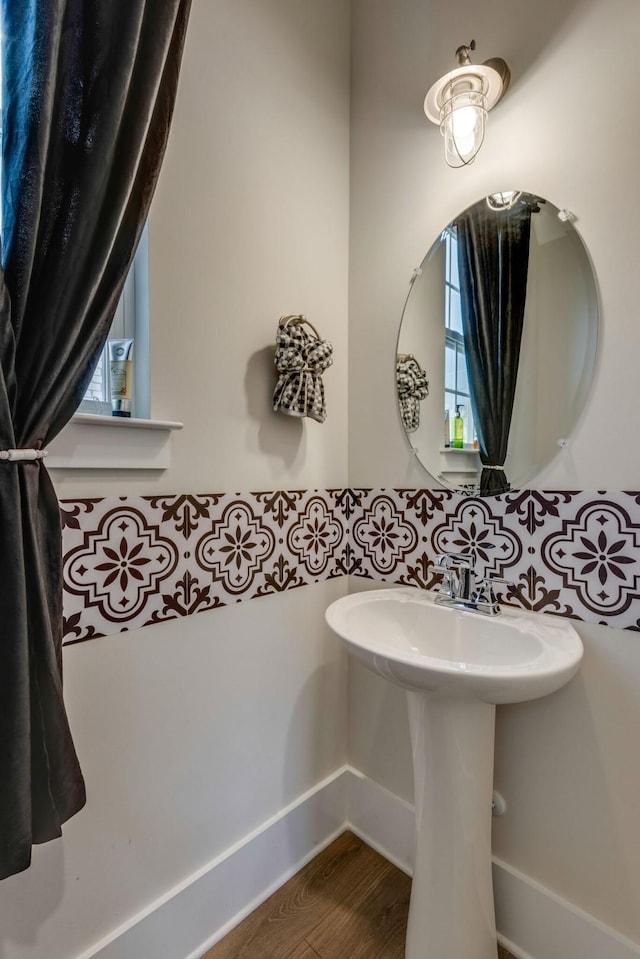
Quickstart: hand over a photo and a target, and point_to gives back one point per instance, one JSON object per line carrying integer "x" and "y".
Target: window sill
{"x": 458, "y": 450}
{"x": 90, "y": 441}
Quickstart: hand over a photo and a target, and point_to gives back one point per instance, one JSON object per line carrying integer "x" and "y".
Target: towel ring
{"x": 298, "y": 319}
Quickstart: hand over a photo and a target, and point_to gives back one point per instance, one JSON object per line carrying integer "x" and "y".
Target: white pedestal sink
{"x": 456, "y": 666}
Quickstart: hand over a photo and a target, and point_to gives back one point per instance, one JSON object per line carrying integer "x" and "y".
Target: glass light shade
{"x": 462, "y": 123}
{"x": 504, "y": 200}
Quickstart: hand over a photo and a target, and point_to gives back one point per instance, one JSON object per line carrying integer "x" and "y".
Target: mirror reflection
{"x": 497, "y": 344}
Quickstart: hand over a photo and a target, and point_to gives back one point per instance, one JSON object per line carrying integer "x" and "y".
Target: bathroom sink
{"x": 456, "y": 666}
{"x": 404, "y": 636}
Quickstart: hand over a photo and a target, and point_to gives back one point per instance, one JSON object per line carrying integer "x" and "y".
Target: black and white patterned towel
{"x": 413, "y": 386}
{"x": 301, "y": 358}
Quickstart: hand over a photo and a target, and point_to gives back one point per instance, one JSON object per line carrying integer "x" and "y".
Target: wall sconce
{"x": 459, "y": 103}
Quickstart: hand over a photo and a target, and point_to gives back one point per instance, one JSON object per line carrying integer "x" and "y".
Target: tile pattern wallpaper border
{"x": 574, "y": 554}
{"x": 136, "y": 561}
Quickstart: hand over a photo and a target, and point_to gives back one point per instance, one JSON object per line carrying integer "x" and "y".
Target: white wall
{"x": 568, "y": 765}
{"x": 249, "y": 222}
{"x": 190, "y": 734}
{"x": 546, "y": 137}
{"x": 193, "y": 733}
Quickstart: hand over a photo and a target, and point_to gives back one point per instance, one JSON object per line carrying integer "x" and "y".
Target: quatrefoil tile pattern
{"x": 574, "y": 554}
{"x": 383, "y": 535}
{"x": 597, "y": 554}
{"x": 135, "y": 561}
{"x": 120, "y": 564}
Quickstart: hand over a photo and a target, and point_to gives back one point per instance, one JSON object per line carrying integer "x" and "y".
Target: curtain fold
{"x": 88, "y": 94}
{"x": 493, "y": 263}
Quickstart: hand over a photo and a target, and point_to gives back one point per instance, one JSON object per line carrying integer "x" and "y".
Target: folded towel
{"x": 301, "y": 357}
{"x": 413, "y": 386}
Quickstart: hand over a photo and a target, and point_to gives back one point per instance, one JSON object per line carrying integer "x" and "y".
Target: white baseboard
{"x": 195, "y": 914}
{"x": 533, "y": 922}
{"x": 382, "y": 819}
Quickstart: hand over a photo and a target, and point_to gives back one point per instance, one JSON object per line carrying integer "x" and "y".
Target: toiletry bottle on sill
{"x": 458, "y": 430}
{"x": 121, "y": 376}
{"x": 447, "y": 430}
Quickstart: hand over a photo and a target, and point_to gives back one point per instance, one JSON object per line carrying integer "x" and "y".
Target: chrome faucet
{"x": 461, "y": 588}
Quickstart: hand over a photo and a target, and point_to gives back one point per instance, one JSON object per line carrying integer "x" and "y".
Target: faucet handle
{"x": 485, "y": 594}
{"x": 490, "y": 581}
{"x": 468, "y": 559}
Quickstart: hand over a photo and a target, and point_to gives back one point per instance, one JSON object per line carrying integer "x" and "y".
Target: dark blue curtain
{"x": 493, "y": 264}
{"x": 88, "y": 92}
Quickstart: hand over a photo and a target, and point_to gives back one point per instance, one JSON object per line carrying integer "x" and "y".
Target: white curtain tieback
{"x": 17, "y": 456}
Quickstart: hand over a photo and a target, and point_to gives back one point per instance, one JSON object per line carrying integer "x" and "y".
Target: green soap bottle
{"x": 458, "y": 430}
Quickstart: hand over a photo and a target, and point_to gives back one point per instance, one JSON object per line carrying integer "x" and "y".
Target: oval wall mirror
{"x": 497, "y": 344}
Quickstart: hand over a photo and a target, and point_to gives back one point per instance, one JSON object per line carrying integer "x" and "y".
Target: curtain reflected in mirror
{"x": 493, "y": 263}
{"x": 503, "y": 314}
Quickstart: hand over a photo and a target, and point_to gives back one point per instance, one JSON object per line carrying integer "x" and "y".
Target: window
{"x": 456, "y": 383}
{"x": 130, "y": 322}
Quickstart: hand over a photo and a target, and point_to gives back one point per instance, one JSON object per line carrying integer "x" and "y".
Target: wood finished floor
{"x": 347, "y": 903}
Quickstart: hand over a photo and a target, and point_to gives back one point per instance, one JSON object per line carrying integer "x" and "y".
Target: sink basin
{"x": 456, "y": 666}
{"x": 403, "y": 635}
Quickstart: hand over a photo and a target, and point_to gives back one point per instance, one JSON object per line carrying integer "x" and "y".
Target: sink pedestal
{"x": 451, "y": 911}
